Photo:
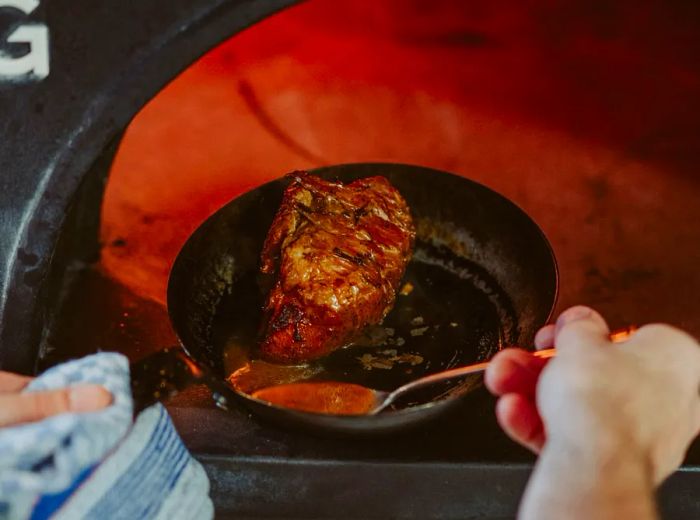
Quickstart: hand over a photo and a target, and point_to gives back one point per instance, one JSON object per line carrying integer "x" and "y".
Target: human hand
{"x": 18, "y": 408}
{"x": 601, "y": 398}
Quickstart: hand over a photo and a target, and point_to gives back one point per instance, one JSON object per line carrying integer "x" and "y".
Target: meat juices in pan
{"x": 338, "y": 253}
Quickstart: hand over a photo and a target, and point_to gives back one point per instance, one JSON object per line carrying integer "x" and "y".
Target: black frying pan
{"x": 482, "y": 277}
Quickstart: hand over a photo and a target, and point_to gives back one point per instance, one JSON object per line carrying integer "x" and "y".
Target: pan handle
{"x": 163, "y": 374}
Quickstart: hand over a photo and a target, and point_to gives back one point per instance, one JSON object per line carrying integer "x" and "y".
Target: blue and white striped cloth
{"x": 99, "y": 465}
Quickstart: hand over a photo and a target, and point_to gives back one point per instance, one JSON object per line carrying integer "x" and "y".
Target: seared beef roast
{"x": 338, "y": 253}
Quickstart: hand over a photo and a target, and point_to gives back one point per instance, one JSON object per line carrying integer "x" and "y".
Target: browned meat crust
{"x": 338, "y": 253}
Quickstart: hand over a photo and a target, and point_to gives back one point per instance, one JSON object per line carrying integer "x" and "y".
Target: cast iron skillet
{"x": 483, "y": 276}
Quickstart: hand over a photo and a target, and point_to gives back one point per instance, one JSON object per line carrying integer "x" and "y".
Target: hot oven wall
{"x": 581, "y": 114}
{"x": 554, "y": 105}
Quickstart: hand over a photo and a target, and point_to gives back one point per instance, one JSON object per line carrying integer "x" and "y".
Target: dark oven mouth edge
{"x": 107, "y": 112}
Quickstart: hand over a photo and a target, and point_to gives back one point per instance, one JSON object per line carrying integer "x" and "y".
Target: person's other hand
{"x": 17, "y": 407}
{"x": 642, "y": 394}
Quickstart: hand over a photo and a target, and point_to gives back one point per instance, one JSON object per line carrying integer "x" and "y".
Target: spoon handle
{"x": 466, "y": 370}
{"x": 618, "y": 336}
{"x": 447, "y": 375}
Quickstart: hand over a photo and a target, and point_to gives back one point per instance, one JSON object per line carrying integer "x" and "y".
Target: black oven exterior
{"x": 72, "y": 75}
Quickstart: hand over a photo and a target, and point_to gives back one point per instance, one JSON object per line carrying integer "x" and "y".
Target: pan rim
{"x": 350, "y": 418}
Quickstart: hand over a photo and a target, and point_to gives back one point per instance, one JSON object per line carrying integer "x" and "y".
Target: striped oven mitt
{"x": 99, "y": 465}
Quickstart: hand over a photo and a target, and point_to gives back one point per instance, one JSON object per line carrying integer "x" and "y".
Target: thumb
{"x": 35, "y": 406}
{"x": 580, "y": 327}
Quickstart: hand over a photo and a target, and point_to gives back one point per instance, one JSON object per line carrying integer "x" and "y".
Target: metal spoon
{"x": 386, "y": 399}
{"x": 336, "y": 398}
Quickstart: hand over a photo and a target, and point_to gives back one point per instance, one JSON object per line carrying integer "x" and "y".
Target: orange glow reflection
{"x": 546, "y": 102}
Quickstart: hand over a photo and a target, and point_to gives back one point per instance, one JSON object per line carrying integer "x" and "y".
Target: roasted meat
{"x": 338, "y": 253}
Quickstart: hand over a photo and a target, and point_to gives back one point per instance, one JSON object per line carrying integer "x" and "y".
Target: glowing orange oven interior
{"x": 551, "y": 104}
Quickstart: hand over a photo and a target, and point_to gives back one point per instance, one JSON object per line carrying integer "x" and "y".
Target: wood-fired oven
{"x": 125, "y": 124}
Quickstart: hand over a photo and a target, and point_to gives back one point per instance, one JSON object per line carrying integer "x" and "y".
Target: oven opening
{"x": 554, "y": 106}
